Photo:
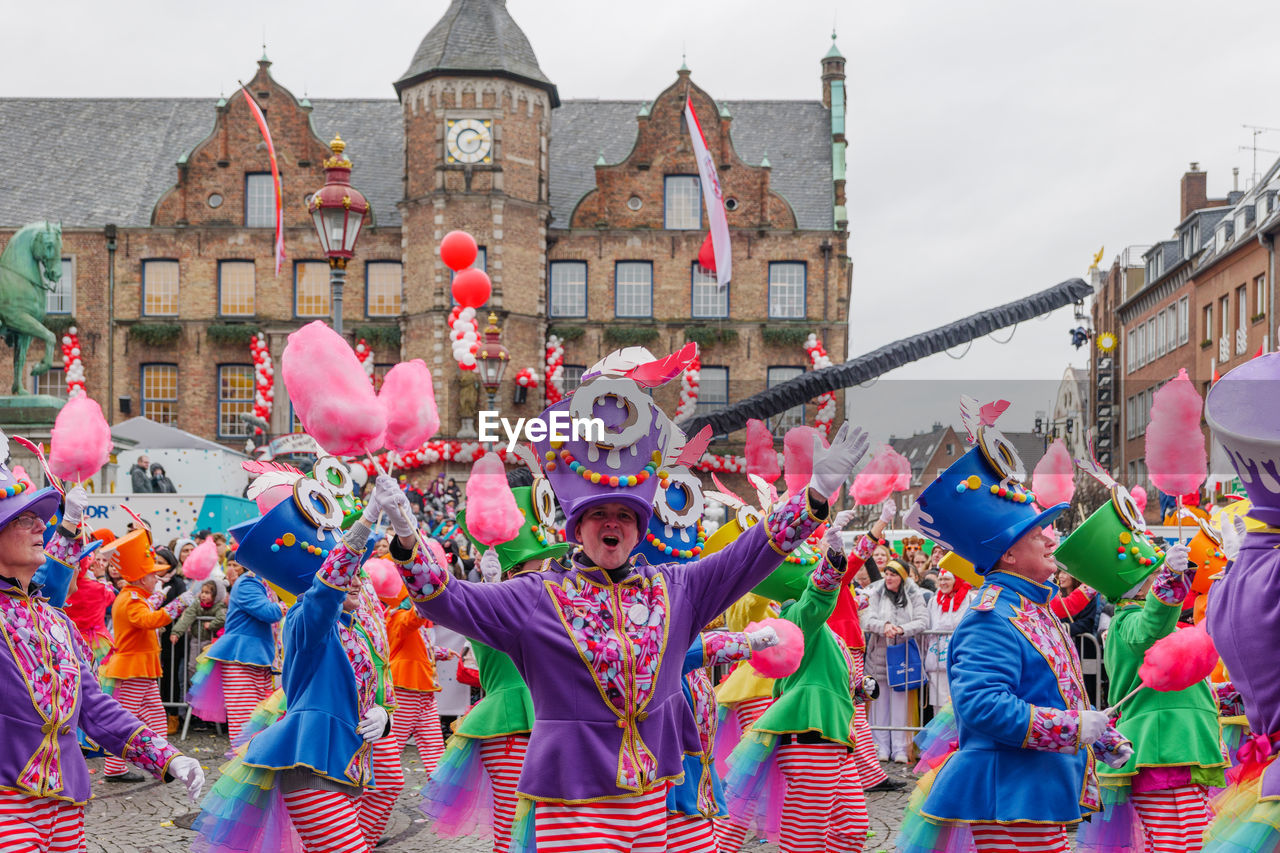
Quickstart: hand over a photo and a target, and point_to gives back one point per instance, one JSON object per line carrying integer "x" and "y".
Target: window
{"x": 294, "y": 420}
{"x": 1208, "y": 322}
{"x": 235, "y": 398}
{"x": 62, "y": 299}
{"x": 1242, "y": 319}
{"x": 259, "y": 200}
{"x": 235, "y": 288}
{"x": 1224, "y": 308}
{"x": 383, "y": 288}
{"x": 1160, "y": 335}
{"x": 1130, "y": 348}
{"x": 786, "y": 290}
{"x": 633, "y": 289}
{"x": 1151, "y": 340}
{"x": 52, "y": 382}
{"x": 683, "y": 202}
{"x": 311, "y": 289}
{"x": 1130, "y": 406}
{"x": 708, "y": 299}
{"x": 793, "y": 416}
{"x": 1260, "y": 304}
{"x": 713, "y": 389}
{"x": 380, "y": 373}
{"x": 159, "y": 288}
{"x": 568, "y": 289}
{"x": 160, "y": 393}
{"x": 572, "y": 377}
{"x": 1184, "y": 319}
{"x": 480, "y": 263}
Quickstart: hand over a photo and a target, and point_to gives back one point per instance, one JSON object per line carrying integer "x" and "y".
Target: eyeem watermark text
{"x": 558, "y": 426}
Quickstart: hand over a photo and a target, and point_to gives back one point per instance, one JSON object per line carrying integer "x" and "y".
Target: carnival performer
{"x": 1177, "y": 748}
{"x": 611, "y": 727}
{"x": 1025, "y": 765}
{"x": 130, "y": 674}
{"x": 305, "y": 774}
{"x": 44, "y": 780}
{"x": 1243, "y": 619}
{"x": 808, "y": 730}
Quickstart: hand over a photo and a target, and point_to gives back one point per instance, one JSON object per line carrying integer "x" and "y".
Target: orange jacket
{"x": 134, "y": 623}
{"x": 413, "y": 665}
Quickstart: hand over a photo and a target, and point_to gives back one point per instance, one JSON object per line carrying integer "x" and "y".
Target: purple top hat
{"x": 1238, "y": 410}
{"x": 18, "y": 495}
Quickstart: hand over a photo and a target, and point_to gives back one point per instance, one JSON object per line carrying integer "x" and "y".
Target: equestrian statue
{"x": 30, "y": 268}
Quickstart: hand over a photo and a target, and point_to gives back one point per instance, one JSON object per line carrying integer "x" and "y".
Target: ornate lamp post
{"x": 338, "y": 211}
{"x": 492, "y": 358}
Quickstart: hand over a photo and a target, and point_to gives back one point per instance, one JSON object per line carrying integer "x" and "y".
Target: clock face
{"x": 469, "y": 140}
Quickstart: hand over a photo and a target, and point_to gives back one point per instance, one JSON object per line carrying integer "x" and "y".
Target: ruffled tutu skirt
{"x": 244, "y": 812}
{"x": 205, "y": 696}
{"x": 754, "y": 787}
{"x": 459, "y": 798}
{"x": 1244, "y": 822}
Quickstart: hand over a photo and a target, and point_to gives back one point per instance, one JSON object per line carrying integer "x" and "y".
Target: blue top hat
{"x": 978, "y": 507}
{"x": 54, "y": 577}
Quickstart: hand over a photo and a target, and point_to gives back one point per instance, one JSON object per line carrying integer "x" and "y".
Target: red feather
{"x": 663, "y": 370}
{"x": 992, "y": 411}
{"x": 1179, "y": 660}
{"x": 695, "y": 447}
{"x": 259, "y": 467}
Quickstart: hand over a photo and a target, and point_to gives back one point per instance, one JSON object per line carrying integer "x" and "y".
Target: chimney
{"x": 1195, "y": 191}
{"x": 1235, "y": 179}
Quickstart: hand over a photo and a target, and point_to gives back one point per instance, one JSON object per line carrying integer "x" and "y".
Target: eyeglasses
{"x": 30, "y": 522}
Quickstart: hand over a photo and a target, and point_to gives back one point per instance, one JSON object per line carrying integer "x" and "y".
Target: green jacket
{"x": 507, "y": 707}
{"x": 1176, "y": 729}
{"x": 816, "y": 697}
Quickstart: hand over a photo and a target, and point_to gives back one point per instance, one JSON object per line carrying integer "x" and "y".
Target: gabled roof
{"x": 918, "y": 449}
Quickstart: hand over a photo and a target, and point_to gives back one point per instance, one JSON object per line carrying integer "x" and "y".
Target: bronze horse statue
{"x": 32, "y": 257}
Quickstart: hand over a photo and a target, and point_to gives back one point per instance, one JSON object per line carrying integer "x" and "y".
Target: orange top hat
{"x": 137, "y": 557}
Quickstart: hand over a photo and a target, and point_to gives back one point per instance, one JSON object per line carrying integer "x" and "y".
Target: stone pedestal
{"x": 32, "y": 417}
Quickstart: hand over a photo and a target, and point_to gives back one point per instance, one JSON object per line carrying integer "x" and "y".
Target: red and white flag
{"x": 713, "y": 197}
{"x": 275, "y": 175}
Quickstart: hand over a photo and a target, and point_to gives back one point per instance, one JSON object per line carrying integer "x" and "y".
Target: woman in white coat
{"x": 946, "y": 609}
{"x": 895, "y": 613}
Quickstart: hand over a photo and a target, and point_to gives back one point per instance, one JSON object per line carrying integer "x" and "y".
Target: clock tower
{"x": 477, "y": 127}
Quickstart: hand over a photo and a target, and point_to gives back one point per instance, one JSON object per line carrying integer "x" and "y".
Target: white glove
{"x": 491, "y": 566}
{"x": 384, "y": 488}
{"x": 372, "y": 724}
{"x": 189, "y": 772}
{"x": 188, "y": 598}
{"x": 74, "y": 502}
{"x": 1176, "y": 559}
{"x": 833, "y": 465}
{"x": 1093, "y": 724}
{"x": 762, "y": 638}
{"x": 388, "y": 497}
{"x": 888, "y": 510}
{"x": 833, "y": 540}
{"x": 161, "y": 592}
{"x": 1233, "y": 537}
{"x": 1119, "y": 758}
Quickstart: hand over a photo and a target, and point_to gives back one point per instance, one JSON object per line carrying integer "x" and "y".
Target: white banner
{"x": 712, "y": 196}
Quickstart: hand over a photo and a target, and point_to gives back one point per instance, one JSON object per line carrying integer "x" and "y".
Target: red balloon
{"x": 458, "y": 250}
{"x": 471, "y": 288}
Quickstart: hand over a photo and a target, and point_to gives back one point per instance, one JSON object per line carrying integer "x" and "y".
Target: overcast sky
{"x": 995, "y": 145}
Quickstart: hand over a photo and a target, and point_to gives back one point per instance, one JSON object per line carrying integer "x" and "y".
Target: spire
{"x": 834, "y": 53}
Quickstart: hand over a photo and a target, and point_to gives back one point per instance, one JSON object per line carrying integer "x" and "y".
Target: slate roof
{"x": 476, "y": 35}
{"x": 918, "y": 449}
{"x": 90, "y": 161}
{"x": 1030, "y": 447}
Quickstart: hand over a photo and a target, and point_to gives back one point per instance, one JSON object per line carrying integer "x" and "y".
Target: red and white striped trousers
{"x": 243, "y": 687}
{"x": 326, "y": 821}
{"x": 690, "y": 834}
{"x": 731, "y": 835}
{"x": 627, "y": 825}
{"x": 39, "y": 825}
{"x": 750, "y": 710}
{"x": 1173, "y": 820}
{"x": 864, "y": 746}
{"x": 416, "y": 717}
{"x": 503, "y": 759}
{"x": 388, "y": 777}
{"x": 140, "y": 697}
{"x": 1019, "y": 837}
{"x": 824, "y": 810}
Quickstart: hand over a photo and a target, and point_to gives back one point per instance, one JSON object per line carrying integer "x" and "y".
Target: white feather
{"x": 4, "y": 447}
{"x": 970, "y": 416}
{"x": 270, "y": 480}
{"x": 721, "y": 498}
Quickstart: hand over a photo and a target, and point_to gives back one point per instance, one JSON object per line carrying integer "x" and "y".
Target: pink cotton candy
{"x": 201, "y": 561}
{"x": 783, "y": 659}
{"x": 331, "y": 393}
{"x": 1139, "y": 496}
{"x": 797, "y": 454}
{"x": 762, "y": 459}
{"x": 437, "y": 551}
{"x": 384, "y": 577}
{"x": 1176, "y": 457}
{"x": 492, "y": 514}
{"x": 1053, "y": 479}
{"x": 1179, "y": 660}
{"x": 882, "y": 476}
{"x": 409, "y": 399}
{"x": 81, "y": 441}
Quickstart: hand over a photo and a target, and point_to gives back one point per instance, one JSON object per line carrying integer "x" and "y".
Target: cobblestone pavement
{"x": 139, "y": 818}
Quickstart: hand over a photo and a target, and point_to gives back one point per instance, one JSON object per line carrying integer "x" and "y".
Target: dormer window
{"x": 1190, "y": 240}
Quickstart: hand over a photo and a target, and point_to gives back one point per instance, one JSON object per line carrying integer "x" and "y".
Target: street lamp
{"x": 338, "y": 210}
{"x": 492, "y": 358}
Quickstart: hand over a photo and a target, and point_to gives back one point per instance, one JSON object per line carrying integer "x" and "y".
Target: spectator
{"x": 919, "y": 574}
{"x": 160, "y": 482}
{"x": 936, "y": 555}
{"x": 223, "y": 548}
{"x": 895, "y": 613}
{"x": 212, "y": 604}
{"x": 140, "y": 473}
{"x": 452, "y": 490}
{"x": 183, "y": 547}
{"x": 172, "y": 679}
{"x": 1076, "y": 604}
{"x": 382, "y": 547}
{"x": 945, "y": 612}
{"x": 203, "y": 534}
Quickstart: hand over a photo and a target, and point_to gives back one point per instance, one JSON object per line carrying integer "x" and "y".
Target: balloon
{"x": 471, "y": 288}
{"x": 458, "y": 251}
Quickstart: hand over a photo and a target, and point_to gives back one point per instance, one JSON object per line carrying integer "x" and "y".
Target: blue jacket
{"x": 247, "y": 636}
{"x": 700, "y": 776}
{"x": 1019, "y": 757}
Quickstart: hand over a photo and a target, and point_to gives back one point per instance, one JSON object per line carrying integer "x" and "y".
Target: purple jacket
{"x": 603, "y": 661}
{"x": 49, "y": 692}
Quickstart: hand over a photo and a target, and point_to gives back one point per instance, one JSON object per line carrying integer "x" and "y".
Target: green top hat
{"x": 1112, "y": 551}
{"x": 539, "y": 537}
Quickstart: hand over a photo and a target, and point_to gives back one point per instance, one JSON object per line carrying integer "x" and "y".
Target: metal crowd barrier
{"x": 178, "y": 664}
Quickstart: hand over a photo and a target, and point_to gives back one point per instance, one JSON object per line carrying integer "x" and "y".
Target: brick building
{"x": 588, "y": 214}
